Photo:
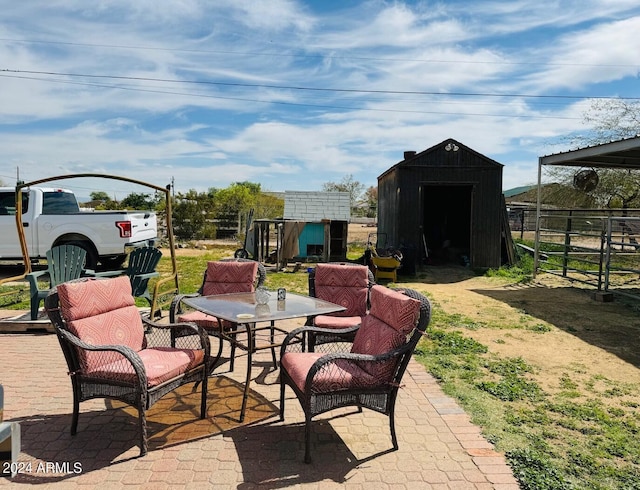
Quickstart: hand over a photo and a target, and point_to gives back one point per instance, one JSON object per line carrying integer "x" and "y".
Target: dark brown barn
{"x": 443, "y": 204}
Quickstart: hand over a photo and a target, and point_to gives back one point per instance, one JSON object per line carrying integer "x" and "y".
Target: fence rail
{"x": 601, "y": 250}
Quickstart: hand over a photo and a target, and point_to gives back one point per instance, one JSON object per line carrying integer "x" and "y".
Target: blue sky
{"x": 294, "y": 94}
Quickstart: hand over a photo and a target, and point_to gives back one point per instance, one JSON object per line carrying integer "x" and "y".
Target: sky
{"x": 292, "y": 94}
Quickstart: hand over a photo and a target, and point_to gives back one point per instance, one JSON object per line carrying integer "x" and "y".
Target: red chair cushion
{"x": 391, "y": 318}
{"x": 336, "y": 376}
{"x": 345, "y": 285}
{"x": 376, "y": 337}
{"x": 202, "y": 319}
{"x": 160, "y": 364}
{"x": 394, "y": 308}
{"x": 205, "y": 321}
{"x": 329, "y": 321}
{"x": 297, "y": 364}
{"x": 94, "y": 296}
{"x": 101, "y": 312}
{"x": 229, "y": 277}
{"x": 343, "y": 275}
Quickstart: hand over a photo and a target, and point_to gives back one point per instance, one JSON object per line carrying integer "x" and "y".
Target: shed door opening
{"x": 447, "y": 223}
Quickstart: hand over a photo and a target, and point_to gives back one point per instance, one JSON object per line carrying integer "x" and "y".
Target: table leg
{"x": 214, "y": 362}
{"x": 250, "y": 349}
{"x": 232, "y": 355}
{"x": 273, "y": 341}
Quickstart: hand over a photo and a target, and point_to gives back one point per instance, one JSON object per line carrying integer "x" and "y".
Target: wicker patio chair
{"x": 114, "y": 352}
{"x": 370, "y": 374}
{"x": 343, "y": 283}
{"x": 237, "y": 275}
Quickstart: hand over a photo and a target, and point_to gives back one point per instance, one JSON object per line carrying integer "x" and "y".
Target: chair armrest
{"x": 147, "y": 275}
{"x": 181, "y": 330}
{"x": 324, "y": 363}
{"x": 121, "y": 349}
{"x": 105, "y": 273}
{"x": 5, "y": 431}
{"x": 33, "y": 277}
{"x": 128, "y": 353}
{"x": 174, "y": 309}
{"x": 288, "y": 344}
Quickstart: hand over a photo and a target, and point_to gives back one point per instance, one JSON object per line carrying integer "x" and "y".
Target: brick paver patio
{"x": 439, "y": 447}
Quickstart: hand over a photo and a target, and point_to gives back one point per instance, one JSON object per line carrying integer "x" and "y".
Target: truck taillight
{"x": 125, "y": 228}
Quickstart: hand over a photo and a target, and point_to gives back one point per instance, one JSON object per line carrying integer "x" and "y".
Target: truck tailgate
{"x": 144, "y": 226}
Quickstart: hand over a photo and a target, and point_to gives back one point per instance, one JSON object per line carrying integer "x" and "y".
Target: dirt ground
{"x": 586, "y": 337}
{"x": 563, "y": 330}
{"x": 553, "y": 324}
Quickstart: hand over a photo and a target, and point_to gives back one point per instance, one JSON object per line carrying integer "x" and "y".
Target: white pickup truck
{"x": 51, "y": 216}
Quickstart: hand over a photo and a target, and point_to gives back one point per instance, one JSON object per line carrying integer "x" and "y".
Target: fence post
{"x": 567, "y": 244}
{"x": 607, "y": 258}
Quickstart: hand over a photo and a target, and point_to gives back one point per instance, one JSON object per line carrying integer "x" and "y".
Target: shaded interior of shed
{"x": 447, "y": 222}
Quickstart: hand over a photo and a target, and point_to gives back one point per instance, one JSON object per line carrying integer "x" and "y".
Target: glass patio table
{"x": 243, "y": 310}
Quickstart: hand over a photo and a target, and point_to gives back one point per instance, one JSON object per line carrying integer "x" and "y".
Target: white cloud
{"x": 275, "y": 15}
{"x": 209, "y": 135}
{"x": 601, "y": 54}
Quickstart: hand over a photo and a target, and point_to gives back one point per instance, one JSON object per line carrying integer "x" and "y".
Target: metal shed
{"x": 444, "y": 204}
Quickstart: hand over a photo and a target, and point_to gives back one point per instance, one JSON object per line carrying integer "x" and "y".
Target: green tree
{"x": 190, "y": 216}
{"x": 237, "y": 198}
{"x": 347, "y": 184}
{"x": 370, "y": 202}
{"x": 99, "y": 196}
{"x": 268, "y": 206}
{"x": 200, "y": 215}
{"x": 102, "y": 201}
{"x": 139, "y": 201}
{"x": 233, "y": 203}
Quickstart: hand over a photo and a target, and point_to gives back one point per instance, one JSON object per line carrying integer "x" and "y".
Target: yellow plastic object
{"x": 386, "y": 268}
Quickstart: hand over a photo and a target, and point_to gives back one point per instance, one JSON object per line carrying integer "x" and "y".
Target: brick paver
{"x": 439, "y": 446}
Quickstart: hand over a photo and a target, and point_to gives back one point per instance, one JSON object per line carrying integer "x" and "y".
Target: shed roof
{"x": 624, "y": 153}
{"x": 449, "y": 145}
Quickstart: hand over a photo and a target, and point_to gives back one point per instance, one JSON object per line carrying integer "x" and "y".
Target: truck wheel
{"x": 113, "y": 263}
{"x": 91, "y": 262}
{"x": 241, "y": 253}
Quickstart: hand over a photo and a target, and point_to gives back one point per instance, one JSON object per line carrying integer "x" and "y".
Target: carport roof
{"x": 623, "y": 153}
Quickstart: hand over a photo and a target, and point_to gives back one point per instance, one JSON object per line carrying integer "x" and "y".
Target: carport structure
{"x": 615, "y": 224}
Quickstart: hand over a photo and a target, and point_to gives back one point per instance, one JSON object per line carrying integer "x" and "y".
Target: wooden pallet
{"x": 20, "y": 322}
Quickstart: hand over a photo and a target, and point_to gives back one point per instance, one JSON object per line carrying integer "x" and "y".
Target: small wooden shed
{"x": 314, "y": 228}
{"x": 444, "y": 204}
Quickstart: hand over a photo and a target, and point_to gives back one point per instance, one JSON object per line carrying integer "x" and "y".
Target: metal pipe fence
{"x": 599, "y": 249}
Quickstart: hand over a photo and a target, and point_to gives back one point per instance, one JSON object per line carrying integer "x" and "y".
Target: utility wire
{"x": 296, "y": 104}
{"x": 318, "y": 89}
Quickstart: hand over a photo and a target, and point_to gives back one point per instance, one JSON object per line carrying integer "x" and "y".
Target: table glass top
{"x": 243, "y": 307}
